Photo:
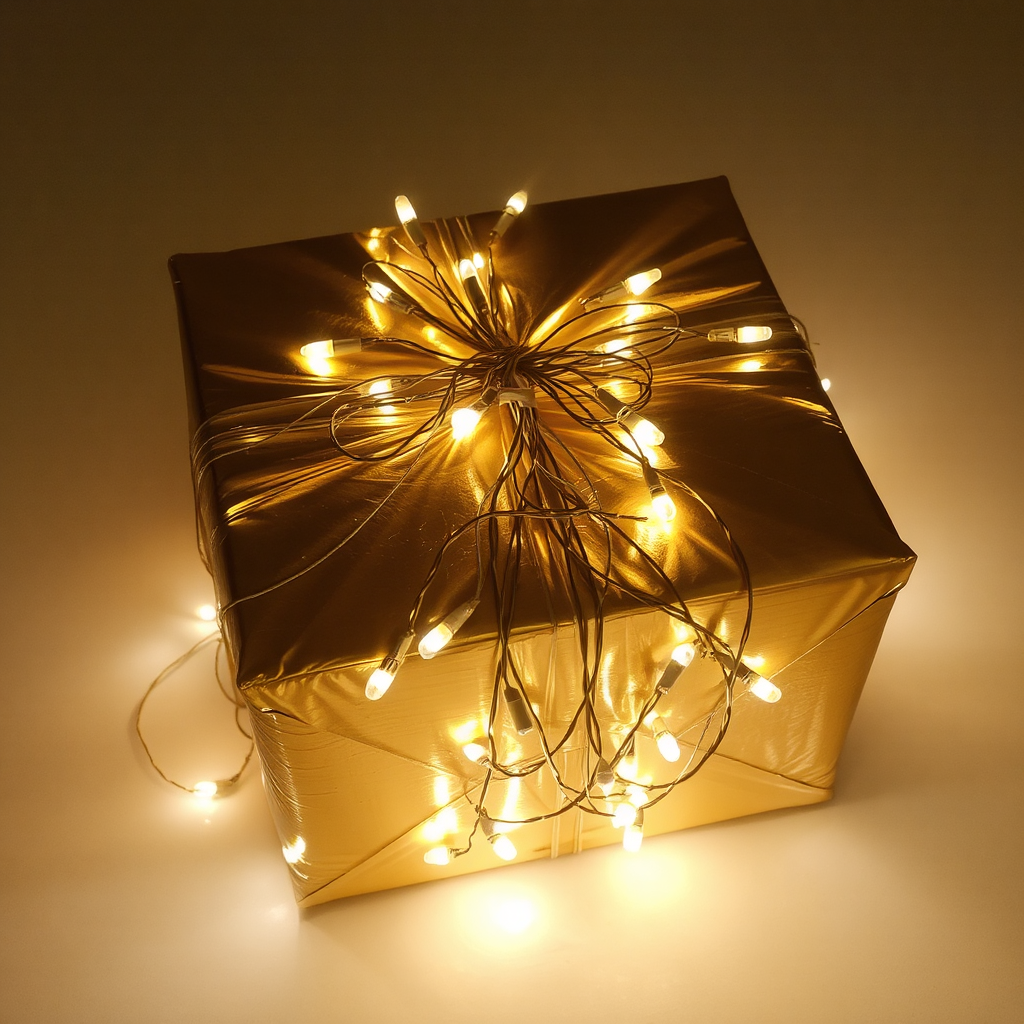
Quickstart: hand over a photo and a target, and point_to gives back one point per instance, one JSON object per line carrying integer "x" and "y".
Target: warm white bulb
{"x": 467, "y": 269}
{"x": 684, "y": 654}
{"x": 381, "y": 387}
{"x": 404, "y": 209}
{"x": 294, "y": 850}
{"x": 664, "y": 507}
{"x": 516, "y": 203}
{"x": 205, "y": 789}
{"x": 436, "y": 640}
{"x": 624, "y": 814}
{"x": 647, "y": 434}
{"x": 476, "y": 752}
{"x": 632, "y": 838}
{"x": 206, "y": 612}
{"x": 749, "y": 335}
{"x": 637, "y": 284}
{"x": 763, "y": 688}
{"x": 438, "y": 856}
{"x": 318, "y": 349}
{"x": 503, "y": 846}
{"x": 464, "y": 422}
{"x": 667, "y": 746}
{"x": 825, "y": 383}
{"x": 379, "y": 292}
{"x": 478, "y": 261}
{"x": 378, "y": 683}
{"x": 515, "y": 206}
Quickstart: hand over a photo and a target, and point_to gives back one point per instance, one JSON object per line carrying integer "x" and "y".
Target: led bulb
{"x": 404, "y": 209}
{"x": 384, "y": 675}
{"x": 294, "y": 850}
{"x": 624, "y": 814}
{"x": 205, "y": 789}
{"x": 515, "y": 206}
{"x": 639, "y": 283}
{"x": 681, "y": 658}
{"x": 318, "y": 349}
{"x": 668, "y": 747}
{"x": 379, "y": 292}
{"x": 750, "y": 335}
{"x": 474, "y": 289}
{"x": 407, "y": 215}
{"x": 683, "y": 654}
{"x": 206, "y": 612}
{"x": 438, "y": 638}
{"x": 633, "y": 836}
{"x": 743, "y": 335}
{"x": 763, "y": 688}
{"x": 464, "y": 422}
{"x": 330, "y": 347}
{"x": 475, "y": 751}
{"x": 378, "y": 683}
{"x": 645, "y": 432}
{"x": 381, "y": 387}
{"x": 825, "y": 384}
{"x": 635, "y": 284}
{"x": 478, "y": 261}
{"x": 438, "y": 856}
{"x": 503, "y": 846}
{"x": 664, "y": 506}
{"x": 516, "y": 203}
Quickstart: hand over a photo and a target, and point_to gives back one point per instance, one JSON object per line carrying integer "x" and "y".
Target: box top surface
{"x": 285, "y": 515}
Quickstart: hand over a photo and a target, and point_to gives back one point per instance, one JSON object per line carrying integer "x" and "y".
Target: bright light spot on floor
{"x": 515, "y": 915}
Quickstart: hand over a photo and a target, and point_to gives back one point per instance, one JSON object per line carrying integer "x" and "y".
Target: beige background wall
{"x": 875, "y": 151}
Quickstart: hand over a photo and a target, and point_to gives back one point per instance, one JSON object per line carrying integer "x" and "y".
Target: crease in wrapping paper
{"x": 749, "y": 428}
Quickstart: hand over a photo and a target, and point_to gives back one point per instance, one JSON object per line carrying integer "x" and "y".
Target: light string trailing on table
{"x": 204, "y": 788}
{"x": 542, "y": 500}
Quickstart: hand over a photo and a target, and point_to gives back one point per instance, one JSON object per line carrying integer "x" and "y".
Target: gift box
{"x": 616, "y": 667}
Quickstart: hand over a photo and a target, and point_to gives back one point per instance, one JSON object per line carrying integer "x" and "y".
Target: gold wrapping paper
{"x": 747, "y": 427}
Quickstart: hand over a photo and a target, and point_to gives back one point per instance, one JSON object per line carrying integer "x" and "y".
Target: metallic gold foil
{"x": 748, "y": 427}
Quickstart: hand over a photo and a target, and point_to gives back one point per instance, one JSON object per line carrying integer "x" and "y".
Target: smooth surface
{"x": 873, "y": 151}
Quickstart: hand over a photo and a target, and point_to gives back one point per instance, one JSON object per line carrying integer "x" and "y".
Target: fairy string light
{"x": 205, "y": 787}
{"x": 486, "y": 374}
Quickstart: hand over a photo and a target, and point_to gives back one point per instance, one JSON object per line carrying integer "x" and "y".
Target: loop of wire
{"x": 543, "y": 498}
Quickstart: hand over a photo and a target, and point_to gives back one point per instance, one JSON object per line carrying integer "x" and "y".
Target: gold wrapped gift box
{"x": 360, "y": 789}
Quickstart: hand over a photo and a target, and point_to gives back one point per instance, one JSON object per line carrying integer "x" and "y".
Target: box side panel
{"x": 364, "y": 784}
